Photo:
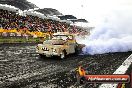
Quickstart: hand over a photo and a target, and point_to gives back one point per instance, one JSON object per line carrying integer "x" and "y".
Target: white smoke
{"x": 114, "y": 34}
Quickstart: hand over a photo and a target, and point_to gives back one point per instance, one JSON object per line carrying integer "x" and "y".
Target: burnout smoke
{"x": 114, "y": 34}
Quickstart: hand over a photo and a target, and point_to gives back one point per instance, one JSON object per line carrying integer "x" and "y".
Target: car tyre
{"x": 41, "y": 55}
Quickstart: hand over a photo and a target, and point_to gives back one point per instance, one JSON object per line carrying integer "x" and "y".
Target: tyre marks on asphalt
{"x": 27, "y": 69}
{"x": 95, "y": 64}
{"x": 121, "y": 70}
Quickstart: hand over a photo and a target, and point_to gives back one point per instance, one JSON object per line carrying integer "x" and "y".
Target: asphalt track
{"x": 21, "y": 67}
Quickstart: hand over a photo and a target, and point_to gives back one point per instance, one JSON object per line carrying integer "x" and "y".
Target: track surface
{"x": 21, "y": 67}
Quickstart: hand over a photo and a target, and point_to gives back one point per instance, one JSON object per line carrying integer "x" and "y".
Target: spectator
{"x": 10, "y": 20}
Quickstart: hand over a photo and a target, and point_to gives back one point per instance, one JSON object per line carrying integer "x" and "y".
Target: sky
{"x": 93, "y": 10}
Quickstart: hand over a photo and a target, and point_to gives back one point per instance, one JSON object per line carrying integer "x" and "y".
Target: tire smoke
{"x": 114, "y": 34}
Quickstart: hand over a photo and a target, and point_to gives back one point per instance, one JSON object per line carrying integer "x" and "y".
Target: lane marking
{"x": 121, "y": 70}
{"x": 4, "y": 60}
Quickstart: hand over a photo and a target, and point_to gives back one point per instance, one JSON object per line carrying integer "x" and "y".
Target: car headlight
{"x": 45, "y": 49}
{"x": 54, "y": 50}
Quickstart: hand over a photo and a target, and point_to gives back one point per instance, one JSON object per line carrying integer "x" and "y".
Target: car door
{"x": 71, "y": 44}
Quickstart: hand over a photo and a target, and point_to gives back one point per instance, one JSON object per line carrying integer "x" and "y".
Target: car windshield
{"x": 63, "y": 37}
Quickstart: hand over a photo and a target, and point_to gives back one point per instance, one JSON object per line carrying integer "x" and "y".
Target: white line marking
{"x": 4, "y": 60}
{"x": 121, "y": 70}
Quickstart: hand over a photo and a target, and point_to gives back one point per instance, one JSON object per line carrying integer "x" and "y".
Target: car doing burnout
{"x": 61, "y": 44}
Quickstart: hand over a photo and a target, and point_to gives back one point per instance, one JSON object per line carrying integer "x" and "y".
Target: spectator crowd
{"x": 11, "y": 20}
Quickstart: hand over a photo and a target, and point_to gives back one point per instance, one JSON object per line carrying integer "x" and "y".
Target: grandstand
{"x": 32, "y": 23}
{"x": 21, "y": 4}
{"x": 49, "y": 11}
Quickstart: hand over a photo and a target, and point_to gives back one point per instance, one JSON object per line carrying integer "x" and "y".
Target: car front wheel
{"x": 41, "y": 55}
